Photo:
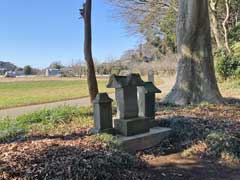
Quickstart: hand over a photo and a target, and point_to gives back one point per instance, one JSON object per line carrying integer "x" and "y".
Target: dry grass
{"x": 230, "y": 88}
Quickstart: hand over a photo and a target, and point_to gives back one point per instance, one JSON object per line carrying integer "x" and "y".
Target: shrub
{"x": 234, "y": 34}
{"x": 117, "y": 69}
{"x": 236, "y": 49}
{"x": 27, "y": 70}
{"x": 227, "y": 65}
{"x": 237, "y": 73}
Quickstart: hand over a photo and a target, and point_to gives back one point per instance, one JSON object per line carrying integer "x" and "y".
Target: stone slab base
{"x": 153, "y": 123}
{"x": 130, "y": 127}
{"x": 144, "y": 141}
{"x": 97, "y": 131}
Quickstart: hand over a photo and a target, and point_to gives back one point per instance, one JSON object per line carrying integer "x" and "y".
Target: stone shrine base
{"x": 145, "y": 140}
{"x": 97, "y": 131}
{"x": 131, "y": 127}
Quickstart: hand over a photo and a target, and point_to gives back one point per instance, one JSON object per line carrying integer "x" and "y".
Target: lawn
{"x": 28, "y": 91}
{"x": 25, "y": 92}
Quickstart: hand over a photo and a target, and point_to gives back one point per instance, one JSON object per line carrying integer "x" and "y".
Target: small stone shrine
{"x": 146, "y": 100}
{"x": 128, "y": 123}
{"x": 102, "y": 106}
{"x": 135, "y": 112}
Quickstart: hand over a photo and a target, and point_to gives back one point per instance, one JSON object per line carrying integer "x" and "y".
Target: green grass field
{"x": 20, "y": 93}
{"x": 27, "y": 91}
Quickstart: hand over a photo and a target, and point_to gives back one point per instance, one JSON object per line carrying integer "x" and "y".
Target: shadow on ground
{"x": 22, "y": 137}
{"x": 233, "y": 101}
{"x": 187, "y": 169}
{"x": 74, "y": 160}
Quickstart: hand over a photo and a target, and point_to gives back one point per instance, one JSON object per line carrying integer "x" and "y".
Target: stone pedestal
{"x": 133, "y": 126}
{"x": 143, "y": 141}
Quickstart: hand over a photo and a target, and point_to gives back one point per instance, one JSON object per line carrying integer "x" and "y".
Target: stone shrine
{"x": 146, "y": 100}
{"x": 134, "y": 127}
{"x": 102, "y": 106}
{"x": 128, "y": 123}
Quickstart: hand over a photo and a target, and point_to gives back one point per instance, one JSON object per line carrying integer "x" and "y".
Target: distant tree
{"x": 19, "y": 69}
{"x": 77, "y": 68}
{"x": 56, "y": 65}
{"x": 36, "y": 71}
{"x": 91, "y": 75}
{"x": 27, "y": 70}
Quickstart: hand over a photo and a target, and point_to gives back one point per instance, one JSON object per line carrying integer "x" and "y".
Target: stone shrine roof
{"x": 151, "y": 88}
{"x": 125, "y": 81}
{"x": 102, "y": 98}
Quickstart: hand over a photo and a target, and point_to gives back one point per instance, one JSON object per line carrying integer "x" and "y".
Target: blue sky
{"x": 38, "y": 32}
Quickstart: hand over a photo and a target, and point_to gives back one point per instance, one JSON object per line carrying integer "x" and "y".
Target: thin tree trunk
{"x": 196, "y": 81}
{"x": 214, "y": 23}
{"x": 91, "y": 76}
{"x": 224, "y": 24}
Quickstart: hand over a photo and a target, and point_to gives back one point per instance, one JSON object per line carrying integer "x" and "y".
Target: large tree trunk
{"x": 196, "y": 81}
{"x": 91, "y": 76}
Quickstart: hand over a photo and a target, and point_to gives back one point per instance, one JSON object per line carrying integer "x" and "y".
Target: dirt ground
{"x": 174, "y": 167}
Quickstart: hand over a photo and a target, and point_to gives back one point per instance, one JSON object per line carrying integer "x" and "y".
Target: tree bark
{"x": 214, "y": 23}
{"x": 224, "y": 24}
{"x": 91, "y": 75}
{"x": 196, "y": 81}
